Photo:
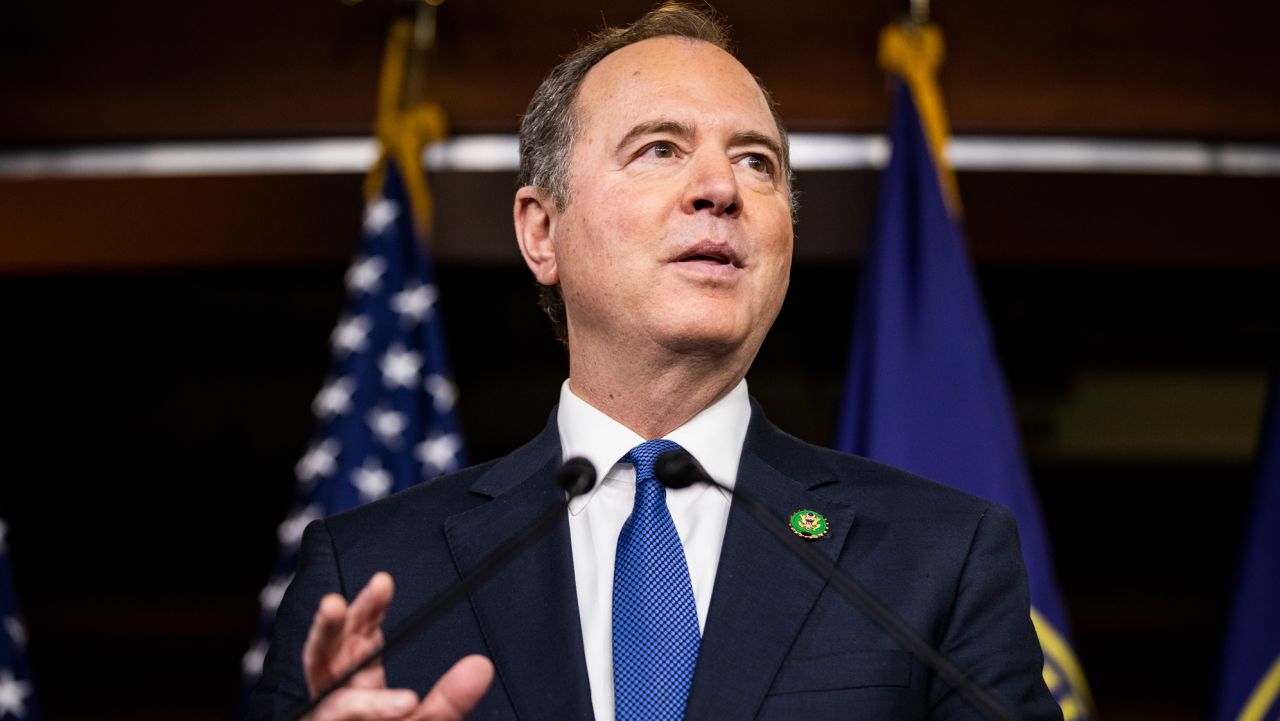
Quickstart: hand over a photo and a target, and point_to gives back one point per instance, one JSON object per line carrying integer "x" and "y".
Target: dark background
{"x": 161, "y": 338}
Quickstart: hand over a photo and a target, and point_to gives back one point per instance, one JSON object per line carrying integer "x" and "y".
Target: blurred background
{"x": 164, "y": 332}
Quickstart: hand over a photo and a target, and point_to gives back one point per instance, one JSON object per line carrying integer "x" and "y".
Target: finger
{"x": 370, "y": 605}
{"x": 365, "y": 704}
{"x": 355, "y": 651}
{"x": 362, "y": 632}
{"x": 457, "y": 692}
{"x": 324, "y": 640}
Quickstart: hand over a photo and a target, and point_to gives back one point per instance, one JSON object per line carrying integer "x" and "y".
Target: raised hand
{"x": 341, "y": 635}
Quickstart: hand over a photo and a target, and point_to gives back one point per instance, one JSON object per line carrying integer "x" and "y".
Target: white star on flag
{"x": 378, "y": 215}
{"x": 16, "y": 631}
{"x": 13, "y": 695}
{"x": 387, "y": 425}
{"x": 335, "y": 398}
{"x": 400, "y": 367}
{"x": 290, "y": 531}
{"x": 351, "y": 335}
{"x": 272, "y": 593}
{"x": 443, "y": 393}
{"x": 254, "y": 658}
{"x": 366, "y": 275}
{"x": 414, "y": 303}
{"x": 438, "y": 452}
{"x": 372, "y": 480}
{"x": 321, "y": 459}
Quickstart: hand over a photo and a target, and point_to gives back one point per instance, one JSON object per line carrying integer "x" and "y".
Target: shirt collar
{"x": 714, "y": 436}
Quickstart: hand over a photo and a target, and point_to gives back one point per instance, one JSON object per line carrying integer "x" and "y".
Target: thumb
{"x": 457, "y": 692}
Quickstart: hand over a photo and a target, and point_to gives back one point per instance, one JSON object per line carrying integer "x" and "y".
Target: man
{"x": 656, "y": 208}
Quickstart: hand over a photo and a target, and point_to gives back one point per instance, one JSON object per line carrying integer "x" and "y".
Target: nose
{"x": 712, "y": 188}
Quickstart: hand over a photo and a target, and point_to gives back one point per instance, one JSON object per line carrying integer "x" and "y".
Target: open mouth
{"x": 713, "y": 253}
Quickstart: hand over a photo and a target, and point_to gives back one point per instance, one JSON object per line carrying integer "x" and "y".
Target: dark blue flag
{"x": 1249, "y": 686}
{"x": 924, "y": 390}
{"x": 16, "y": 699}
{"x": 385, "y": 415}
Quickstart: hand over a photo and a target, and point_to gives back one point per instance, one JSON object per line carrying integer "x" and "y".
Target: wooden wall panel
{"x": 60, "y": 226}
{"x": 78, "y": 72}
{"x": 1136, "y": 67}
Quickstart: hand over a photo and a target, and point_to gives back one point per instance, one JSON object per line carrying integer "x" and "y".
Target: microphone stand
{"x": 679, "y": 469}
{"x": 575, "y": 477}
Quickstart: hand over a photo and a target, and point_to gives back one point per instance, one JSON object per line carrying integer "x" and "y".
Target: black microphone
{"x": 678, "y": 469}
{"x": 575, "y": 477}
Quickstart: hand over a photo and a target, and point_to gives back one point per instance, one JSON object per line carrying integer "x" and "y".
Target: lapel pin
{"x": 809, "y": 525}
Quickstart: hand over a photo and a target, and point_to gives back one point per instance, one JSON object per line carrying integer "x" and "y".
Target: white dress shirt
{"x": 700, "y": 512}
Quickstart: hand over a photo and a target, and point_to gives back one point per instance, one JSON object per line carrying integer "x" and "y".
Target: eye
{"x": 661, "y": 149}
{"x": 758, "y": 163}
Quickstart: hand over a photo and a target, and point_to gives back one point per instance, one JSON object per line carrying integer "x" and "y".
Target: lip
{"x": 711, "y": 262}
{"x": 711, "y": 254}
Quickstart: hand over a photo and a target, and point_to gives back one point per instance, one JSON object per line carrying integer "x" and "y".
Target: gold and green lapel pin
{"x": 809, "y": 525}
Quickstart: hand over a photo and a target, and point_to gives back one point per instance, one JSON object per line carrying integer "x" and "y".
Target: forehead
{"x": 674, "y": 78}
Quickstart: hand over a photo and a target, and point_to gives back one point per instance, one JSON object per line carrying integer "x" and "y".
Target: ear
{"x": 535, "y": 219}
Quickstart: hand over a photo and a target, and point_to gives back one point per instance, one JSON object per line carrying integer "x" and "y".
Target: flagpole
{"x": 918, "y": 11}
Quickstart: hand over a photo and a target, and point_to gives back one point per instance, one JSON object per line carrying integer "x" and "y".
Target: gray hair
{"x": 551, "y": 123}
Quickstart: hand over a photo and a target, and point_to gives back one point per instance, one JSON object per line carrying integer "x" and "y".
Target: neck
{"x": 653, "y": 396}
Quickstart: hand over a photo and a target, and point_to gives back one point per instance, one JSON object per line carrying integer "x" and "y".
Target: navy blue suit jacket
{"x": 778, "y": 644}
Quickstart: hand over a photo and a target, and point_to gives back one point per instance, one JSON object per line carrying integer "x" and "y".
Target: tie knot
{"x": 643, "y": 456}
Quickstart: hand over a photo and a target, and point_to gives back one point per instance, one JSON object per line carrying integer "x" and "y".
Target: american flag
{"x": 16, "y": 700}
{"x": 384, "y": 418}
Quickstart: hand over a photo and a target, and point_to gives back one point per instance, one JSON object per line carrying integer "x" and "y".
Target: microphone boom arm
{"x": 678, "y": 469}
{"x": 575, "y": 477}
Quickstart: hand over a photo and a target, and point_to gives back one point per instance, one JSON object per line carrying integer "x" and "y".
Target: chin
{"x": 708, "y": 339}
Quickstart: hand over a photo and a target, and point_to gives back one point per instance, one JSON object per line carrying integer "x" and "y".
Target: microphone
{"x": 677, "y": 468}
{"x": 575, "y": 477}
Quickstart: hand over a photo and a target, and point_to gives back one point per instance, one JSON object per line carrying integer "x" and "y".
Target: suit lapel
{"x": 528, "y": 612}
{"x": 763, "y": 592}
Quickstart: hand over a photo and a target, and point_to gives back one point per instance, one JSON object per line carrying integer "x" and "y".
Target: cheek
{"x": 592, "y": 260}
{"x": 775, "y": 290}
{"x": 613, "y": 236}
{"x": 779, "y": 276}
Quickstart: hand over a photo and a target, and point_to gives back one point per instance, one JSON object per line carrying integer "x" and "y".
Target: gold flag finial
{"x": 404, "y": 128}
{"x": 914, "y": 52}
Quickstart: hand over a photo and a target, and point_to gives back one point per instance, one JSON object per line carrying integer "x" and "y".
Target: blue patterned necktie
{"x": 655, "y": 622}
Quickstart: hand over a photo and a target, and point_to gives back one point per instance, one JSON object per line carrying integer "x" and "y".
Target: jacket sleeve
{"x": 989, "y": 634}
{"x": 282, "y": 685}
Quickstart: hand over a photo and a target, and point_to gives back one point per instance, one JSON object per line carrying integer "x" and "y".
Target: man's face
{"x": 677, "y": 230}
